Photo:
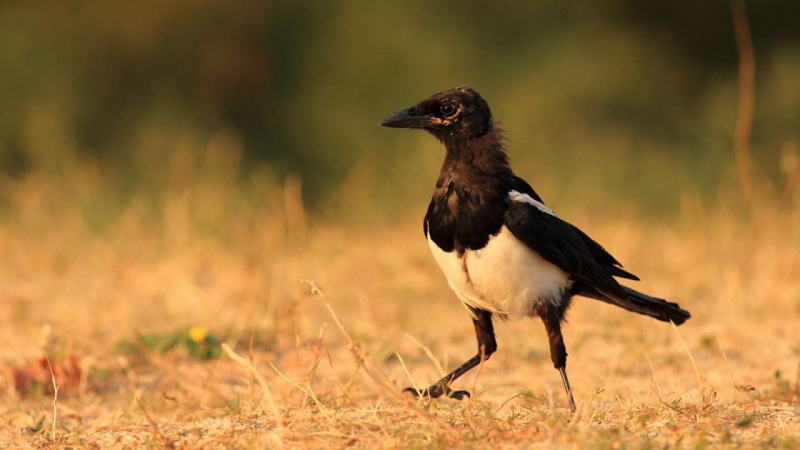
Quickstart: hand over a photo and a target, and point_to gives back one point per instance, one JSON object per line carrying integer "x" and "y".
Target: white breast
{"x": 505, "y": 277}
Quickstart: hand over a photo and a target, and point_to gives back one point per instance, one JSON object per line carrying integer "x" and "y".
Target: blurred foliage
{"x": 618, "y": 98}
{"x": 193, "y": 344}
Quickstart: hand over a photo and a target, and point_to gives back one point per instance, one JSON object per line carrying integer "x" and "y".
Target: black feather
{"x": 560, "y": 243}
{"x": 637, "y": 302}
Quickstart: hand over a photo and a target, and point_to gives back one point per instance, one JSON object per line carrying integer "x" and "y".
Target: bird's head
{"x": 458, "y": 114}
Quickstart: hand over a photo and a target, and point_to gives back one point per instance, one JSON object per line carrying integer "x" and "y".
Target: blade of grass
{"x": 727, "y": 365}
{"x": 408, "y": 374}
{"x": 380, "y": 379}
{"x": 429, "y": 353}
{"x": 55, "y": 398}
{"x": 308, "y": 393}
{"x": 276, "y": 415}
{"x": 694, "y": 364}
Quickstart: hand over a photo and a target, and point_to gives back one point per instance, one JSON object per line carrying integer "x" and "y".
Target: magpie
{"x": 504, "y": 253}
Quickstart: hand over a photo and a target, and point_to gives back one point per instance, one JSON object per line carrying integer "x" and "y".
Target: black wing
{"x": 602, "y": 256}
{"x": 522, "y": 186}
{"x": 605, "y": 258}
{"x": 565, "y": 246}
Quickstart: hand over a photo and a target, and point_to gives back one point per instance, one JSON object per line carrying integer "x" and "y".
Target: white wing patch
{"x": 525, "y": 198}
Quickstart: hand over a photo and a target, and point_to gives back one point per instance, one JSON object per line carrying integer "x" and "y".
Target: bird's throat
{"x": 481, "y": 155}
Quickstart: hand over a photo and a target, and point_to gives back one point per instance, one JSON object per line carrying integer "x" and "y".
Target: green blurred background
{"x": 618, "y": 102}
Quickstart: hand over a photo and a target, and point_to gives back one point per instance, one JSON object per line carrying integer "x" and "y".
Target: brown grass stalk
{"x": 380, "y": 379}
{"x": 166, "y": 442}
{"x": 745, "y": 112}
{"x": 308, "y": 392}
{"x": 276, "y": 414}
{"x": 727, "y": 366}
{"x": 655, "y": 377}
{"x": 408, "y": 373}
{"x": 428, "y": 353}
{"x": 698, "y": 406}
{"x": 55, "y": 398}
{"x": 218, "y": 403}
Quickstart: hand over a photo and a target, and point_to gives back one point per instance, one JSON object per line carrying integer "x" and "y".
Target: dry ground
{"x": 728, "y": 377}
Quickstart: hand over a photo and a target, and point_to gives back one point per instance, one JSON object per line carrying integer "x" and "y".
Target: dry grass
{"x": 729, "y": 377}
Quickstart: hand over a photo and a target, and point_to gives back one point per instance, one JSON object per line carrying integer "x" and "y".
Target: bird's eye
{"x": 447, "y": 109}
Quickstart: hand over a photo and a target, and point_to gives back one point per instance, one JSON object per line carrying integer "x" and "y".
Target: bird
{"x": 505, "y": 253}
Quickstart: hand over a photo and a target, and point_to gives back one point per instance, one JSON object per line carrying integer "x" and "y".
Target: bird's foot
{"x": 436, "y": 391}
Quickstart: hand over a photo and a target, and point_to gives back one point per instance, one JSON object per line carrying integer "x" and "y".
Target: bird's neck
{"x": 475, "y": 157}
{"x": 468, "y": 203}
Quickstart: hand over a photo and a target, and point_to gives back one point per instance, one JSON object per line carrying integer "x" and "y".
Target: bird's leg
{"x": 567, "y": 387}
{"x": 487, "y": 345}
{"x": 558, "y": 352}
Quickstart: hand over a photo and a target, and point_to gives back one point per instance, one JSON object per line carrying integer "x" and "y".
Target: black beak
{"x": 407, "y": 118}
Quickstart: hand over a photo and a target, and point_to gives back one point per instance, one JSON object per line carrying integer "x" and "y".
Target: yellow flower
{"x": 198, "y": 333}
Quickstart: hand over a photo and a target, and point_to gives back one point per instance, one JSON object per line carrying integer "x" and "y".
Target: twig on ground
{"x": 345, "y": 389}
{"x": 276, "y": 415}
{"x": 317, "y": 350}
{"x": 502, "y": 405}
{"x": 680, "y": 411}
{"x": 380, "y": 379}
{"x": 309, "y": 393}
{"x": 55, "y": 398}
{"x": 167, "y": 443}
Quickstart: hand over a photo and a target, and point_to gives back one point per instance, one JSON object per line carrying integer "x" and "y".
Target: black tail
{"x": 643, "y": 304}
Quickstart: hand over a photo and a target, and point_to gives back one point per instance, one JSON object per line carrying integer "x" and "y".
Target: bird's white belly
{"x": 505, "y": 277}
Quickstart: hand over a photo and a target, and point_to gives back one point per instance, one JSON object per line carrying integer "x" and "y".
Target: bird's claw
{"x": 437, "y": 391}
{"x": 459, "y": 395}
